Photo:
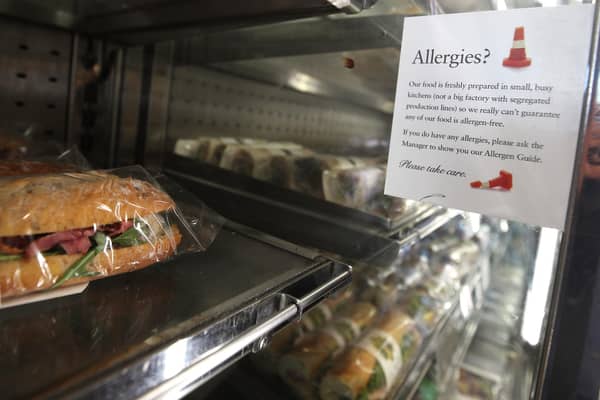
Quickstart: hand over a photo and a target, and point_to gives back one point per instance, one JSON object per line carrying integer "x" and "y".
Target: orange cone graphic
{"x": 517, "y": 57}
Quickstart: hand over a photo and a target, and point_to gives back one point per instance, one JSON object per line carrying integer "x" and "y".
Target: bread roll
{"x": 56, "y": 203}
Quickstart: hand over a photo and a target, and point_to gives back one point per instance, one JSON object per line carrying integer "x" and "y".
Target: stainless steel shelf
{"x": 93, "y": 16}
{"x": 166, "y": 329}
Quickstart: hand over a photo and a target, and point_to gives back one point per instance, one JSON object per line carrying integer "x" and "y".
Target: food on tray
{"x": 369, "y": 368}
{"x": 323, "y": 312}
{"x": 66, "y": 229}
{"x": 422, "y": 307}
{"x": 354, "y": 187}
{"x": 254, "y": 160}
{"x": 16, "y": 168}
{"x": 187, "y": 147}
{"x": 383, "y": 294}
{"x": 308, "y": 171}
{"x": 354, "y": 182}
{"x": 305, "y": 361}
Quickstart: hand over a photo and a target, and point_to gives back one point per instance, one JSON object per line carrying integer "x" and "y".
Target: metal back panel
{"x": 35, "y": 64}
{"x": 208, "y": 102}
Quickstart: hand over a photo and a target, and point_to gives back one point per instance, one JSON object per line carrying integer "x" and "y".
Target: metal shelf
{"x": 165, "y": 329}
{"x": 93, "y": 16}
{"x": 339, "y": 231}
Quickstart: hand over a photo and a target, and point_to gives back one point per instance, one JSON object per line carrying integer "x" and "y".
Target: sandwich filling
{"x": 74, "y": 241}
{"x": 89, "y": 242}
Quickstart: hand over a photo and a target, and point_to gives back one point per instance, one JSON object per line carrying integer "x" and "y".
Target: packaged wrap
{"x": 308, "y": 171}
{"x": 305, "y": 361}
{"x": 324, "y": 311}
{"x": 267, "y": 360}
{"x": 253, "y": 159}
{"x": 354, "y": 187}
{"x": 65, "y": 229}
{"x": 383, "y": 294}
{"x": 277, "y": 167}
{"x": 427, "y": 302}
{"x": 369, "y": 368}
{"x": 211, "y": 150}
{"x": 187, "y": 147}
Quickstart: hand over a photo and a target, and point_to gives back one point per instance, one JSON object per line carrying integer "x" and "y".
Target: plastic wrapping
{"x": 70, "y": 160}
{"x": 29, "y": 154}
{"x": 268, "y": 360}
{"x": 370, "y": 367}
{"x": 254, "y": 160}
{"x": 307, "y": 359}
{"x": 308, "y": 171}
{"x": 354, "y": 182}
{"x": 69, "y": 228}
{"x": 362, "y": 188}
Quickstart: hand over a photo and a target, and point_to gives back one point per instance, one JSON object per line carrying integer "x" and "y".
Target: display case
{"x": 276, "y": 115}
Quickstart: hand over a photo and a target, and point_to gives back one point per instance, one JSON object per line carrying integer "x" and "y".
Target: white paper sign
{"x": 491, "y": 99}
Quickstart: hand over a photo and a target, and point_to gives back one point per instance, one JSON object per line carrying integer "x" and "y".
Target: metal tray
{"x": 166, "y": 329}
{"x": 365, "y": 221}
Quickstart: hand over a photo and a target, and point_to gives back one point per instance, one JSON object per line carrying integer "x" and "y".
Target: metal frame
{"x": 572, "y": 341}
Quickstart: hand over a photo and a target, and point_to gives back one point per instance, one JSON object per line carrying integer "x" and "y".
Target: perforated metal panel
{"x": 207, "y": 102}
{"x": 34, "y": 64}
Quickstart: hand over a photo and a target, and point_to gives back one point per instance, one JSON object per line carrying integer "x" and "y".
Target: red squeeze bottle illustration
{"x": 504, "y": 181}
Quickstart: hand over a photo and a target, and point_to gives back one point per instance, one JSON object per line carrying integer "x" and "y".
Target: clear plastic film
{"x": 301, "y": 366}
{"x": 368, "y": 369}
{"x": 312, "y": 321}
{"x": 350, "y": 181}
{"x": 70, "y": 228}
{"x": 362, "y": 188}
{"x": 27, "y": 155}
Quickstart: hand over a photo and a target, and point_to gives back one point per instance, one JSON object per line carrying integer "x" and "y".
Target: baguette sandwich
{"x": 66, "y": 229}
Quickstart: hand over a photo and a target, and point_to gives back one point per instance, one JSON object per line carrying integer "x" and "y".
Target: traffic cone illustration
{"x": 517, "y": 57}
{"x": 503, "y": 181}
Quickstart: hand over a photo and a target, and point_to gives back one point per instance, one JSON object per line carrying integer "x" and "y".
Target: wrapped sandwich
{"x": 362, "y": 188}
{"x": 323, "y": 312}
{"x": 353, "y": 187}
{"x": 369, "y": 368}
{"x": 211, "y": 150}
{"x": 306, "y": 360}
{"x": 65, "y": 229}
{"x": 187, "y": 147}
{"x": 253, "y": 159}
{"x": 308, "y": 171}
{"x": 268, "y": 359}
{"x": 427, "y": 302}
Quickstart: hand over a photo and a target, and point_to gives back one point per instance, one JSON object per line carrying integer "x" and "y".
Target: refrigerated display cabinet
{"x": 277, "y": 115}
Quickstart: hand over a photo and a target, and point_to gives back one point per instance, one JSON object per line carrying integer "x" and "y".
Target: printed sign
{"x": 487, "y": 111}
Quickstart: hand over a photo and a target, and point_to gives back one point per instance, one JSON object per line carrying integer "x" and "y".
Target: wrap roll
{"x": 308, "y": 171}
{"x": 323, "y": 312}
{"x": 267, "y": 360}
{"x": 353, "y": 187}
{"x": 369, "y": 368}
{"x": 210, "y": 150}
{"x": 247, "y": 159}
{"x": 305, "y": 360}
{"x": 186, "y": 147}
